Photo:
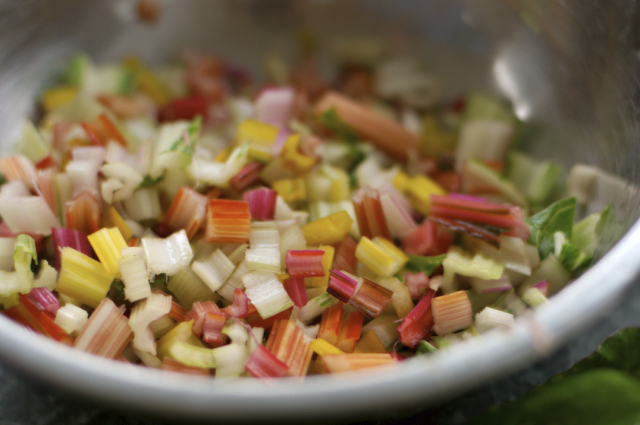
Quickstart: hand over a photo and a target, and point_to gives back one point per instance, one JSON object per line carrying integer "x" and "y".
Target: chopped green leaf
{"x": 481, "y": 105}
{"x": 23, "y": 253}
{"x": 128, "y": 82}
{"x": 333, "y": 122}
{"x": 117, "y": 289}
{"x": 3, "y": 179}
{"x": 357, "y": 155}
{"x": 77, "y": 69}
{"x": 479, "y": 172}
{"x": 150, "y": 181}
{"x": 186, "y": 145}
{"x": 558, "y": 217}
{"x": 572, "y": 258}
{"x": 417, "y": 264}
{"x": 537, "y": 180}
{"x": 425, "y": 348}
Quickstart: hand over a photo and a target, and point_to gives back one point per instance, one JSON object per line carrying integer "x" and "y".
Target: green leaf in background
{"x": 619, "y": 351}
{"x": 558, "y": 217}
{"x": 602, "y": 389}
{"x": 417, "y": 264}
{"x": 596, "y": 397}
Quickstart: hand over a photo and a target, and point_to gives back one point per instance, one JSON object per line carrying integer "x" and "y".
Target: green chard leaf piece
{"x": 149, "y": 181}
{"x": 343, "y": 131}
{"x": 20, "y": 280}
{"x": 333, "y": 122}
{"x": 558, "y": 217}
{"x": 573, "y": 259}
{"x": 3, "y": 179}
{"x": 569, "y": 255}
{"x": 480, "y": 105}
{"x": 128, "y": 82}
{"x": 187, "y": 141}
{"x": 537, "y": 180}
{"x": 417, "y": 264}
{"x": 425, "y": 348}
{"x": 77, "y": 69}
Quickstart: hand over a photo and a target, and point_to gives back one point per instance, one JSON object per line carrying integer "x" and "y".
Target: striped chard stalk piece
{"x": 227, "y": 221}
{"x": 451, "y": 312}
{"x": 288, "y": 342}
{"x": 366, "y": 203}
{"x": 187, "y": 211}
{"x": 354, "y": 361}
{"x": 107, "y": 332}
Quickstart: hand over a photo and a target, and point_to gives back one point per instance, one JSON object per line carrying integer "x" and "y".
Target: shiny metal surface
{"x": 570, "y": 69}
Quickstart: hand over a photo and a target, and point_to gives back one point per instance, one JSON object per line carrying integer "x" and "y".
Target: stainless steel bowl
{"x": 570, "y": 69}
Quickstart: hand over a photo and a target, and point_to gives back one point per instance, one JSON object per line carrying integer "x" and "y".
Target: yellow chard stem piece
{"x": 294, "y": 161}
{"x": 291, "y": 190}
{"x": 369, "y": 343}
{"x": 419, "y": 190}
{"x": 322, "y": 347}
{"x": 260, "y": 138}
{"x": 113, "y": 219}
{"x": 458, "y": 261}
{"x": 82, "y": 278}
{"x": 328, "y": 230}
{"x": 108, "y": 244}
{"x": 380, "y": 255}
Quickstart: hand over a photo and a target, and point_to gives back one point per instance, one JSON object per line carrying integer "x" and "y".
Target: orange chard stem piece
{"x": 227, "y": 221}
{"x": 354, "y": 361}
{"x": 47, "y": 188}
{"x": 366, "y": 203}
{"x": 451, "y": 312}
{"x": 187, "y": 211}
{"x": 18, "y": 168}
{"x": 255, "y": 321}
{"x": 371, "y": 298}
{"x": 83, "y": 213}
{"x": 386, "y": 134}
{"x": 177, "y": 312}
{"x": 290, "y": 344}
{"x": 331, "y": 323}
{"x": 345, "y": 256}
{"x": 174, "y": 366}
{"x": 350, "y": 332}
{"x": 102, "y": 130}
{"x": 214, "y": 193}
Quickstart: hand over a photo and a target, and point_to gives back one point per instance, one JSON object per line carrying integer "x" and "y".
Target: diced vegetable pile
{"x": 181, "y": 219}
